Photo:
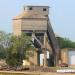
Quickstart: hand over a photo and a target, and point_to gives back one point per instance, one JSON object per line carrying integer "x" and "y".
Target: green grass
{"x": 34, "y": 74}
{"x": 15, "y": 74}
{"x": 10, "y": 74}
{"x": 4, "y": 73}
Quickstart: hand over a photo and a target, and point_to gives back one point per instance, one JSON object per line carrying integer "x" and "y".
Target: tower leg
{"x": 56, "y": 59}
{"x": 45, "y": 49}
{"x": 36, "y": 57}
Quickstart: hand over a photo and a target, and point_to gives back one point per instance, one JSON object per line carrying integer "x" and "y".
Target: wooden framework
{"x": 39, "y": 27}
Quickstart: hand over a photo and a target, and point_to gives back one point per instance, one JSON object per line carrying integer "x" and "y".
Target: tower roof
{"x": 30, "y": 15}
{"x": 35, "y": 6}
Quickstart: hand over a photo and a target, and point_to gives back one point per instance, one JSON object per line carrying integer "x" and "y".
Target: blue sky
{"x": 62, "y": 14}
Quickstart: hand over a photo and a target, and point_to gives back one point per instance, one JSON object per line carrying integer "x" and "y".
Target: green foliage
{"x": 2, "y": 45}
{"x": 65, "y": 43}
{"x": 2, "y": 52}
{"x": 19, "y": 49}
{"x": 15, "y": 48}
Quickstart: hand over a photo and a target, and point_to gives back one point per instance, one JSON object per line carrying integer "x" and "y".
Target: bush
{"x": 13, "y": 59}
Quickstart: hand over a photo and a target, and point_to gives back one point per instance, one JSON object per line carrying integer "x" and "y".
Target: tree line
{"x": 65, "y": 43}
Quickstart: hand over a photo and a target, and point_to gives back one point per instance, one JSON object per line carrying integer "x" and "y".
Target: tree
{"x": 65, "y": 43}
{"x": 19, "y": 49}
{"x": 2, "y": 52}
{"x": 2, "y": 46}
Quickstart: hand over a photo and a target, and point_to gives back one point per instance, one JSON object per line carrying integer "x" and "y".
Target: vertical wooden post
{"x": 45, "y": 49}
{"x": 35, "y": 57}
{"x": 56, "y": 58}
{"x": 33, "y": 35}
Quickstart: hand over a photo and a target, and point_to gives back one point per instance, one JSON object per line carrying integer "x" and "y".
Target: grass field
{"x": 32, "y": 73}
